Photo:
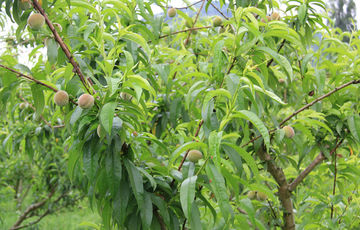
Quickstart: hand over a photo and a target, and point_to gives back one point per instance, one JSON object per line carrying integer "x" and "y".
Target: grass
{"x": 69, "y": 219}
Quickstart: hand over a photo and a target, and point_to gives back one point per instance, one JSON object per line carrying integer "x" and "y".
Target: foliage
{"x": 162, "y": 90}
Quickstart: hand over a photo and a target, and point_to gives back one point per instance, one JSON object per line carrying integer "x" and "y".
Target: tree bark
{"x": 284, "y": 193}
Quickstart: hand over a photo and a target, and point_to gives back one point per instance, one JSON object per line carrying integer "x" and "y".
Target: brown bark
{"x": 284, "y": 194}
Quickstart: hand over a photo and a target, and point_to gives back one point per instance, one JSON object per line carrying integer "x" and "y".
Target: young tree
{"x": 194, "y": 123}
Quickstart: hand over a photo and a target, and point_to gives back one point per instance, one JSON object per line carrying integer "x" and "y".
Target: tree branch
{"x": 284, "y": 194}
{"x": 280, "y": 47}
{"x": 218, "y": 10}
{"x": 306, "y": 107}
{"x": 19, "y": 75}
{"x": 186, "y": 30}
{"x": 311, "y": 166}
{"x": 63, "y": 46}
{"x": 196, "y": 18}
{"x": 32, "y": 208}
{"x": 186, "y": 7}
{"x": 319, "y": 99}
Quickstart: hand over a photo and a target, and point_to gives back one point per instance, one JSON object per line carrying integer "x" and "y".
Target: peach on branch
{"x": 194, "y": 155}
{"x": 289, "y": 131}
{"x": 86, "y": 101}
{"x": 61, "y": 98}
{"x": 171, "y": 12}
{"x": 36, "y": 21}
{"x": 217, "y": 21}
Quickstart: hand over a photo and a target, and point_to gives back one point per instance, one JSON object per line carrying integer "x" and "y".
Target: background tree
{"x": 343, "y": 12}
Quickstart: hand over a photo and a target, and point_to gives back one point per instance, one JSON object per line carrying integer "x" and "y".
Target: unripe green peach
{"x": 171, "y": 12}
{"x": 58, "y": 27}
{"x": 36, "y": 21}
{"x": 86, "y": 101}
{"x": 25, "y": 4}
{"x": 189, "y": 23}
{"x": 261, "y": 196}
{"x": 99, "y": 131}
{"x": 61, "y": 98}
{"x": 166, "y": 30}
{"x": 125, "y": 96}
{"x": 289, "y": 131}
{"x": 194, "y": 155}
{"x": 251, "y": 195}
{"x": 23, "y": 105}
{"x": 275, "y": 16}
{"x": 217, "y": 21}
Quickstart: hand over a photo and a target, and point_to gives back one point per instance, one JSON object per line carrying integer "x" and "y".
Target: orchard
{"x": 172, "y": 118}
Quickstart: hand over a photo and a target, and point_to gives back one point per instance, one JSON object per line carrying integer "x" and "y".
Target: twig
{"x": 196, "y": 18}
{"x": 19, "y": 75}
{"x": 312, "y": 165}
{"x": 32, "y": 208}
{"x": 218, "y": 10}
{"x": 186, "y": 7}
{"x": 186, "y": 30}
{"x": 334, "y": 186}
{"x": 280, "y": 47}
{"x": 319, "y": 99}
{"x": 306, "y": 107}
{"x": 196, "y": 134}
{"x": 29, "y": 78}
{"x": 62, "y": 45}
{"x": 160, "y": 219}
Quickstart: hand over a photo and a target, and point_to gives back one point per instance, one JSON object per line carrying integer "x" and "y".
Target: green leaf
{"x": 138, "y": 81}
{"x": 137, "y": 39}
{"x": 302, "y": 13}
{"x": 219, "y": 188}
{"x": 107, "y": 116}
{"x": 253, "y": 118}
{"x": 52, "y": 50}
{"x": 195, "y": 221}
{"x": 187, "y": 194}
{"x": 354, "y": 126}
{"x": 247, "y": 157}
{"x": 214, "y": 146}
{"x": 136, "y": 182}
{"x": 283, "y": 62}
{"x": 39, "y": 100}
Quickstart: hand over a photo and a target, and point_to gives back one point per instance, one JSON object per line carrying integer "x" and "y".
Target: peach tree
{"x": 182, "y": 120}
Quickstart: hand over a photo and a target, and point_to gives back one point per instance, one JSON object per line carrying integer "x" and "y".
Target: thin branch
{"x": 31, "y": 208}
{"x": 218, "y": 10}
{"x": 186, "y": 30}
{"x": 160, "y": 219}
{"x": 334, "y": 185}
{"x": 306, "y": 107}
{"x": 34, "y": 222}
{"x": 186, "y": 7}
{"x": 196, "y": 134}
{"x": 280, "y": 47}
{"x": 196, "y": 18}
{"x": 19, "y": 75}
{"x": 319, "y": 158}
{"x": 62, "y": 45}
{"x": 319, "y": 99}
{"x": 29, "y": 78}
